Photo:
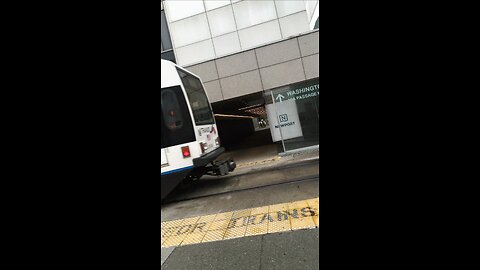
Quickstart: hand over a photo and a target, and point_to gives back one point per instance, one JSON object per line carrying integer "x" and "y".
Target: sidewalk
{"x": 264, "y": 158}
{"x": 259, "y": 170}
{"x": 289, "y": 250}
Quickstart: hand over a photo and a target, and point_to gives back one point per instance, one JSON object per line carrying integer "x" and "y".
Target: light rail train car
{"x": 190, "y": 143}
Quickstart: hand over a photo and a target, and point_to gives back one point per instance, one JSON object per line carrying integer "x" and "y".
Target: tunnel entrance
{"x": 244, "y": 128}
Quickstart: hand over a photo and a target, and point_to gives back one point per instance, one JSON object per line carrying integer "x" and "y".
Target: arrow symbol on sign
{"x": 280, "y": 97}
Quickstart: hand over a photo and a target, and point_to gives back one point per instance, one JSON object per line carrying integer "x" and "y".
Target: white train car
{"x": 190, "y": 144}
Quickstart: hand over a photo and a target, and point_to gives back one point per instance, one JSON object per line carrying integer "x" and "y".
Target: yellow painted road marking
{"x": 213, "y": 236}
{"x": 219, "y": 225}
{"x": 246, "y": 222}
{"x": 235, "y": 232}
{"x": 280, "y": 225}
{"x": 255, "y": 226}
{"x": 208, "y": 218}
{"x": 278, "y": 207}
{"x": 226, "y": 215}
{"x": 259, "y": 210}
{"x": 314, "y": 203}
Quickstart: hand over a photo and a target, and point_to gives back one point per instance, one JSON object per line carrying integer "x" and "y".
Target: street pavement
{"x": 286, "y": 250}
{"x": 292, "y": 249}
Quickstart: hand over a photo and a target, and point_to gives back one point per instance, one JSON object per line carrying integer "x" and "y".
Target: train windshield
{"x": 202, "y": 112}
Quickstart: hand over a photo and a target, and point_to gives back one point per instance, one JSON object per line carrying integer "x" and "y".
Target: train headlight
{"x": 217, "y": 141}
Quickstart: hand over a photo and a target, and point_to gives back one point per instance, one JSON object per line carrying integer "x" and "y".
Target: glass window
{"x": 248, "y": 13}
{"x": 169, "y": 56}
{"x": 293, "y": 112}
{"x": 176, "y": 124}
{"x": 171, "y": 110}
{"x": 166, "y": 43}
{"x": 202, "y": 112}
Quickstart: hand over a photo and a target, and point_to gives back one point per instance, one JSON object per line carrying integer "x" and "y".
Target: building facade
{"x": 166, "y": 47}
{"x": 257, "y": 59}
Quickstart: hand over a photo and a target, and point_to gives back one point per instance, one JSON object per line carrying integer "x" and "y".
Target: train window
{"x": 171, "y": 111}
{"x": 202, "y": 113}
{"x": 177, "y": 127}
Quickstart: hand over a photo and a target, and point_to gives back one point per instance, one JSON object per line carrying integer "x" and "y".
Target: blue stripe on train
{"x": 177, "y": 170}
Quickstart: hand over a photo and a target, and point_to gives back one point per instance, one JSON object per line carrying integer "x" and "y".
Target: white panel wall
{"x": 216, "y": 4}
{"x": 221, "y": 21}
{"x": 207, "y": 29}
{"x": 314, "y": 18}
{"x": 287, "y": 7}
{"x": 259, "y": 34}
{"x": 180, "y": 9}
{"x": 190, "y": 30}
{"x": 226, "y": 44}
{"x": 248, "y": 13}
{"x": 196, "y": 52}
{"x": 294, "y": 24}
{"x": 310, "y": 7}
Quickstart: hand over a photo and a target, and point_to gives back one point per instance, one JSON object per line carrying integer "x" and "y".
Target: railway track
{"x": 175, "y": 199}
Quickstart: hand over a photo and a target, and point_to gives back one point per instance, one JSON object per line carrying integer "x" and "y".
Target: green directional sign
{"x": 280, "y": 97}
{"x": 298, "y": 91}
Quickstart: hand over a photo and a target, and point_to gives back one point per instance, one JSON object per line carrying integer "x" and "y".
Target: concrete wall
{"x": 263, "y": 68}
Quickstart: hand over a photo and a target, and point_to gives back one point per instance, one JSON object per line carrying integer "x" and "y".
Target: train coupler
{"x": 220, "y": 168}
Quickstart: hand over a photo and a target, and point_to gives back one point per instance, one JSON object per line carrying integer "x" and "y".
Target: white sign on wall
{"x": 287, "y": 120}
